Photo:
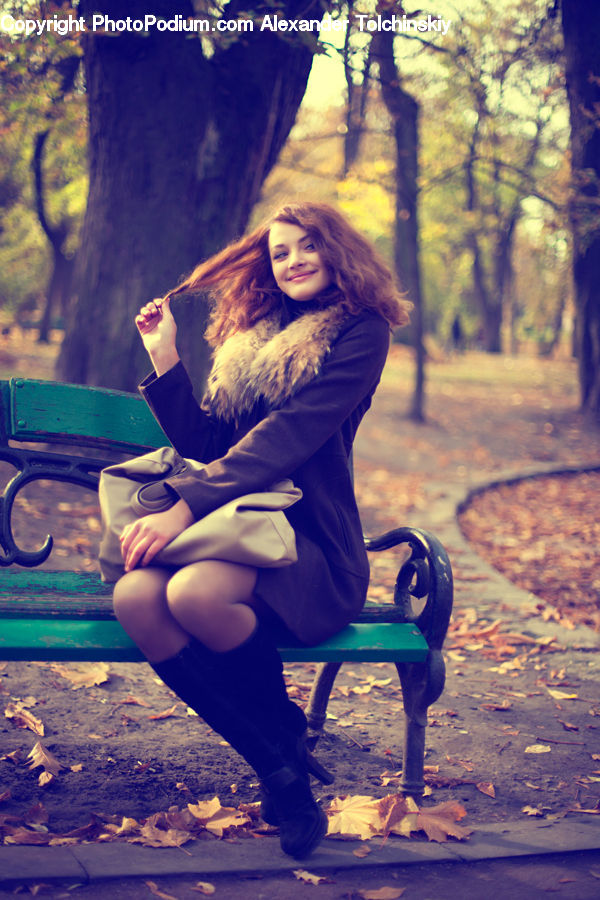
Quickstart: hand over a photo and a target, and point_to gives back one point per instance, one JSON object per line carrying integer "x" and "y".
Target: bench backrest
{"x": 72, "y": 414}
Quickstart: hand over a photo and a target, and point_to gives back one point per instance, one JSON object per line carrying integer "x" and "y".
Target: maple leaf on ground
{"x": 392, "y": 810}
{"x": 438, "y": 822}
{"x": 354, "y": 815}
{"x": 217, "y": 818}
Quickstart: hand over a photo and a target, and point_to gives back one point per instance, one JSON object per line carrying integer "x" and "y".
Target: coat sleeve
{"x": 289, "y": 435}
{"x": 191, "y": 430}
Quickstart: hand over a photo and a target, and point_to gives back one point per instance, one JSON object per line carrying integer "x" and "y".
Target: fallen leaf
{"x": 363, "y": 851}
{"x": 40, "y": 756}
{"x": 538, "y": 748}
{"x": 384, "y": 893}
{"x": 133, "y": 701}
{"x": 561, "y": 695}
{"x": 150, "y": 836}
{"x": 83, "y": 674}
{"x": 486, "y": 787}
{"x": 154, "y": 889}
{"x": 23, "y": 718}
{"x": 166, "y": 714}
{"x": 497, "y": 707}
{"x": 568, "y": 726}
{"x": 309, "y": 878}
{"x": 354, "y": 815}
{"x": 204, "y": 887}
{"x": 45, "y": 778}
{"x": 78, "y": 767}
{"x": 532, "y": 811}
{"x": 14, "y": 757}
{"x": 217, "y": 818}
{"x": 438, "y": 822}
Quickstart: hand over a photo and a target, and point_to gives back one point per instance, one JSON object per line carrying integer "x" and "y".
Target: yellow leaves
{"x": 83, "y": 674}
{"x": 22, "y": 718}
{"x": 538, "y": 748}
{"x": 561, "y": 695}
{"x": 357, "y": 816}
{"x": 366, "y": 817}
{"x": 216, "y": 818}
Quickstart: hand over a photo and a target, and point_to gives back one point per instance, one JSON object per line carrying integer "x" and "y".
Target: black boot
{"x": 301, "y": 821}
{"x": 253, "y": 673}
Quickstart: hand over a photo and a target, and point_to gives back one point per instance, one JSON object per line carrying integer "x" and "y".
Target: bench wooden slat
{"x": 73, "y": 640}
{"x": 76, "y": 414}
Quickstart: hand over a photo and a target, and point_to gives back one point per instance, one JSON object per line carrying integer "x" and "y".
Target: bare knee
{"x": 198, "y": 592}
{"x": 139, "y": 598}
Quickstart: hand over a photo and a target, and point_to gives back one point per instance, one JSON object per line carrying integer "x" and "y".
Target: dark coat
{"x": 307, "y": 438}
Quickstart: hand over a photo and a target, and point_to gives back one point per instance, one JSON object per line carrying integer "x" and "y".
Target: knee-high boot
{"x": 253, "y": 673}
{"x": 301, "y": 821}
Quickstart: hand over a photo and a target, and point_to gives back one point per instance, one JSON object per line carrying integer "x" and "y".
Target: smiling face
{"x": 297, "y": 264}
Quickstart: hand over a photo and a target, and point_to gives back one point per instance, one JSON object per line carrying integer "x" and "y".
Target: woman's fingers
{"x": 144, "y": 538}
{"x": 152, "y": 313}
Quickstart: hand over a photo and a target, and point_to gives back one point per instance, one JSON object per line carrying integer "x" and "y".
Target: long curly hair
{"x": 244, "y": 288}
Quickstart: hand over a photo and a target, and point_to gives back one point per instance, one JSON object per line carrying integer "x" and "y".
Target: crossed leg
{"x": 210, "y": 600}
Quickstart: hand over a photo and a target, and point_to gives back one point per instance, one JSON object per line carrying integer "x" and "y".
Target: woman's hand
{"x": 142, "y": 540}
{"x": 158, "y": 330}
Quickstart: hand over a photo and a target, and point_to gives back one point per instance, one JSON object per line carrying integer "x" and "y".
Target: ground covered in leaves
{"x": 544, "y": 534}
{"x": 107, "y": 752}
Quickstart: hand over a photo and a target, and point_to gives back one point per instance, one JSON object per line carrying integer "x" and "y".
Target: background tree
{"x": 181, "y": 139}
{"x": 43, "y": 135}
{"x": 404, "y": 114}
{"x": 581, "y": 30}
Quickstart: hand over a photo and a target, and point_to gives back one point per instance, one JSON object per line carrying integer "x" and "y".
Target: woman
{"x": 300, "y": 328}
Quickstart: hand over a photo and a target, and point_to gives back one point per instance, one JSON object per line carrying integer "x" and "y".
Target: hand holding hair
{"x": 158, "y": 331}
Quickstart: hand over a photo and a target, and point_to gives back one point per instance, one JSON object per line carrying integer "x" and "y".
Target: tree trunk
{"x": 59, "y": 284}
{"x": 180, "y": 144}
{"x": 404, "y": 112}
{"x": 581, "y": 28}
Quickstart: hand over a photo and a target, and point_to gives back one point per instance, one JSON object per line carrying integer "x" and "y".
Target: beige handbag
{"x": 251, "y": 529}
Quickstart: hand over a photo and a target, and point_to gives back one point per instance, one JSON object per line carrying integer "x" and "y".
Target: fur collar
{"x": 269, "y": 362}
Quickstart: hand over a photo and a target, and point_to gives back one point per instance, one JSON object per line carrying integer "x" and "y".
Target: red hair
{"x": 245, "y": 290}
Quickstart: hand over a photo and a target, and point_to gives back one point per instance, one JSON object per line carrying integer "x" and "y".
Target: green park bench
{"x": 66, "y": 433}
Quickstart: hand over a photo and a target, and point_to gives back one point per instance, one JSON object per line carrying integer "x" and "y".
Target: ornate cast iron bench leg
{"x": 422, "y": 684}
{"x": 316, "y": 711}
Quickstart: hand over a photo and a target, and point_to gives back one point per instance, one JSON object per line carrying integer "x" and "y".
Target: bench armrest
{"x": 426, "y": 573}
